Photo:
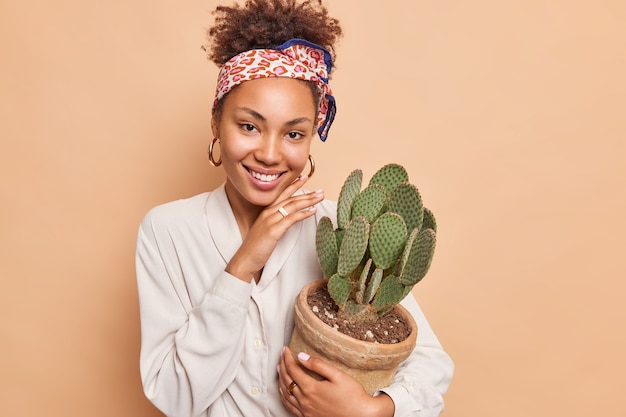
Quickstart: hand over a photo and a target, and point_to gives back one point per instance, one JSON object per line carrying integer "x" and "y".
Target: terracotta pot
{"x": 372, "y": 364}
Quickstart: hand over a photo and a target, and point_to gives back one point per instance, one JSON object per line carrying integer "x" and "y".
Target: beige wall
{"x": 509, "y": 115}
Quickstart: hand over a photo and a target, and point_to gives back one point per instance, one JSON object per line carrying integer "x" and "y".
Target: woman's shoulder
{"x": 177, "y": 211}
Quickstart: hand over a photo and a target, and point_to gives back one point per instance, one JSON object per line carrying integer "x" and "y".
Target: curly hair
{"x": 265, "y": 24}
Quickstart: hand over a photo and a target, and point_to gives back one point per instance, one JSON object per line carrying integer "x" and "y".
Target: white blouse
{"x": 211, "y": 342}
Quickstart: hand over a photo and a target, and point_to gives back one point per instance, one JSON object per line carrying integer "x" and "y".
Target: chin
{"x": 263, "y": 200}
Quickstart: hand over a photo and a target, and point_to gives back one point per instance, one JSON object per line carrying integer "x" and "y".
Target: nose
{"x": 268, "y": 151}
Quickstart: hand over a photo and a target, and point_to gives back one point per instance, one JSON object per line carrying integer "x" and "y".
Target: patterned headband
{"x": 296, "y": 58}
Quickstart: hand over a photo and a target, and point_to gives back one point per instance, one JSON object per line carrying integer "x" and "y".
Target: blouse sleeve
{"x": 421, "y": 380}
{"x": 189, "y": 354}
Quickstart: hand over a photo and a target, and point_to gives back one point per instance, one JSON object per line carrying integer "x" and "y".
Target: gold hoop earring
{"x": 312, "y": 162}
{"x": 211, "y": 159}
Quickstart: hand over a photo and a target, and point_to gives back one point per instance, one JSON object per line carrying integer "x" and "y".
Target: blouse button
{"x": 257, "y": 343}
{"x": 255, "y": 390}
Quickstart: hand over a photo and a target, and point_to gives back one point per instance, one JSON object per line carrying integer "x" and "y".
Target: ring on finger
{"x": 291, "y": 387}
{"x": 282, "y": 211}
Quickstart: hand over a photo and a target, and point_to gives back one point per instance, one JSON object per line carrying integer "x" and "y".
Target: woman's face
{"x": 265, "y": 130}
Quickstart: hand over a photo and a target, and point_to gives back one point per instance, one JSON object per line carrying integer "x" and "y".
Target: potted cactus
{"x": 382, "y": 246}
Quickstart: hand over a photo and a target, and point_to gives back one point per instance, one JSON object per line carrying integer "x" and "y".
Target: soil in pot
{"x": 390, "y": 328}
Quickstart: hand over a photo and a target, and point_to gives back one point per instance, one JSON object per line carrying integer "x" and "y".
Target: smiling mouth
{"x": 263, "y": 177}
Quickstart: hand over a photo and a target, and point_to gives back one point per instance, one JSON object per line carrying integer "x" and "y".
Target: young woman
{"x": 218, "y": 272}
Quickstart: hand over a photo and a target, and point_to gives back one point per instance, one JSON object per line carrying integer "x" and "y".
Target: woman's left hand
{"x": 338, "y": 395}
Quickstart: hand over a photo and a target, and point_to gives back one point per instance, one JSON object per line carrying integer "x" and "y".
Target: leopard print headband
{"x": 296, "y": 58}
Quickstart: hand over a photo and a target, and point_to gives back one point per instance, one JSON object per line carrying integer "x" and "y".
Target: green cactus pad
{"x": 339, "y": 236}
{"x": 374, "y": 284}
{"x": 389, "y": 294}
{"x": 429, "y": 220}
{"x": 353, "y": 246}
{"x": 363, "y": 282}
{"x": 420, "y": 257}
{"x": 407, "y": 290}
{"x": 370, "y": 202}
{"x": 407, "y": 202}
{"x": 404, "y": 258}
{"x": 339, "y": 289}
{"x": 387, "y": 239}
{"x": 326, "y": 247}
{"x": 389, "y": 176}
{"x": 349, "y": 192}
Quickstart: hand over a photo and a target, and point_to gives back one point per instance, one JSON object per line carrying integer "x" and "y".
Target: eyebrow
{"x": 259, "y": 116}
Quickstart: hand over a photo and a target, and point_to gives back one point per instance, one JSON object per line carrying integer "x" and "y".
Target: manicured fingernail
{"x": 319, "y": 193}
{"x": 303, "y": 356}
{"x": 303, "y": 177}
{"x": 283, "y": 351}
{"x": 278, "y": 369}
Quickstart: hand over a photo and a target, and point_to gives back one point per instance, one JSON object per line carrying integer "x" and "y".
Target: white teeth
{"x": 263, "y": 177}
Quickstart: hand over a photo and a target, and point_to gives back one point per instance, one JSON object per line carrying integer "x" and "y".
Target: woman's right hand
{"x": 270, "y": 227}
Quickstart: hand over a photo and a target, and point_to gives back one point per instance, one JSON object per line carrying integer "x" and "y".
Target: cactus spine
{"x": 383, "y": 244}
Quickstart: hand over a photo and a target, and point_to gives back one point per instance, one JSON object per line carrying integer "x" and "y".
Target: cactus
{"x": 383, "y": 244}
